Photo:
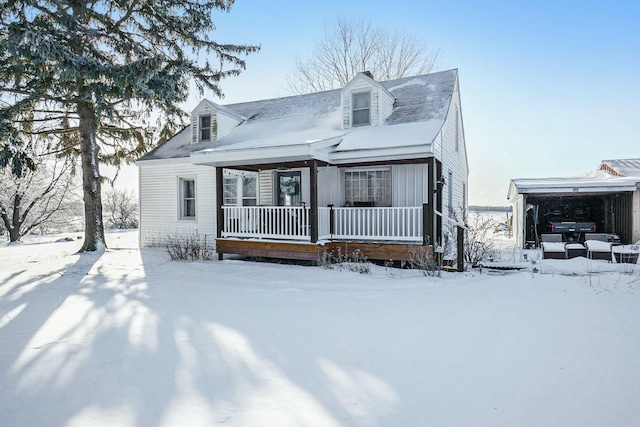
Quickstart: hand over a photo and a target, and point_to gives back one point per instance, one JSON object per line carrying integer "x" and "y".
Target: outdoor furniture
{"x": 575, "y": 250}
{"x": 551, "y": 237}
{"x": 596, "y": 236}
{"x": 597, "y": 249}
{"x": 626, "y": 253}
{"x": 553, "y": 250}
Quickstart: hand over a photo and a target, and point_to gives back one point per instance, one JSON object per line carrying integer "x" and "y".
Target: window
{"x": 187, "y": 198}
{"x": 205, "y": 128}
{"x": 249, "y": 191}
{"x": 230, "y": 190}
{"x": 365, "y": 186}
{"x": 361, "y": 109}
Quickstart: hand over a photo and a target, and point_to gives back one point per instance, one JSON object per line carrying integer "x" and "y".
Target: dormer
{"x": 365, "y": 102}
{"x": 210, "y": 122}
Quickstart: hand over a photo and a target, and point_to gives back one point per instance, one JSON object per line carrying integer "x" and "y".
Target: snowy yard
{"x": 128, "y": 338}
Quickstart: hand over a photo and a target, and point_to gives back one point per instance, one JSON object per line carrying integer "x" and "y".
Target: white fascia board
{"x": 576, "y": 189}
{"x": 172, "y": 160}
{"x": 394, "y": 153}
{"x": 259, "y": 155}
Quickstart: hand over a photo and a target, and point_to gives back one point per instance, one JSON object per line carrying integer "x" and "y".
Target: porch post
{"x": 219, "y": 211}
{"x": 313, "y": 213}
{"x": 429, "y": 206}
{"x": 460, "y": 249}
{"x": 438, "y": 204}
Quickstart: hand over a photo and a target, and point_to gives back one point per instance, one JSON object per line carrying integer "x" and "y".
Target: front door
{"x": 289, "y": 188}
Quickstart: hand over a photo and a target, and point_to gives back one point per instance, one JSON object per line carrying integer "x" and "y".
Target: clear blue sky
{"x": 549, "y": 88}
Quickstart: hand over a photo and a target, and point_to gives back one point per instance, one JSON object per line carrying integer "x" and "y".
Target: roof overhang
{"x": 572, "y": 186}
{"x": 251, "y": 156}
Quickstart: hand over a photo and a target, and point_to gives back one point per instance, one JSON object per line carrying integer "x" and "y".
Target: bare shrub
{"x": 189, "y": 248}
{"x": 423, "y": 260}
{"x": 356, "y": 261}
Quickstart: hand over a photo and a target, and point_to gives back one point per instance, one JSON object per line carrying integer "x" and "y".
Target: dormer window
{"x": 205, "y": 129}
{"x": 361, "y": 111}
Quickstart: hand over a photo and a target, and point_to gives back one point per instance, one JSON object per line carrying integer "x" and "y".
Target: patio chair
{"x": 553, "y": 250}
{"x": 575, "y": 250}
{"x": 597, "y": 249}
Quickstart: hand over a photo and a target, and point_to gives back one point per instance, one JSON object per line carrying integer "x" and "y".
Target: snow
{"x": 598, "y": 181}
{"x": 129, "y": 338}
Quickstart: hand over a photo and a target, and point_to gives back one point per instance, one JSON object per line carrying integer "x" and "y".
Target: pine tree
{"x": 88, "y": 72}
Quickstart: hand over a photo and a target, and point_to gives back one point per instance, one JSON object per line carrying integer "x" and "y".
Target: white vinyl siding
{"x": 409, "y": 184}
{"x": 265, "y": 187}
{"x": 159, "y": 193}
{"x": 454, "y": 159}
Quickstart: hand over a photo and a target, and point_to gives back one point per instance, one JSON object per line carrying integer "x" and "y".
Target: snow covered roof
{"x": 591, "y": 182}
{"x": 621, "y": 167}
{"x": 418, "y": 114}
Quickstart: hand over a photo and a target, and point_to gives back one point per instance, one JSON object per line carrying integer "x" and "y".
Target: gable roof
{"x": 622, "y": 167}
{"x": 316, "y": 117}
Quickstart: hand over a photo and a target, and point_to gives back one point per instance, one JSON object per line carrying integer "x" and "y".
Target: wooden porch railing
{"x": 292, "y": 223}
{"x": 274, "y": 222}
{"x": 385, "y": 223}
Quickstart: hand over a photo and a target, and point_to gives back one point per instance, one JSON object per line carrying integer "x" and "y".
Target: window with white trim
{"x": 240, "y": 190}
{"x": 230, "y": 191}
{"x": 205, "y": 128}
{"x": 361, "y": 109}
{"x": 187, "y": 196}
{"x": 249, "y": 190}
{"x": 368, "y": 186}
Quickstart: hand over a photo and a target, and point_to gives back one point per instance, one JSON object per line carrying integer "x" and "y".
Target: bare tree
{"x": 349, "y": 47}
{"x": 121, "y": 209}
{"x": 37, "y": 198}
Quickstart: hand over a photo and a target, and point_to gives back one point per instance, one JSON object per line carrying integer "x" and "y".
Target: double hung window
{"x": 205, "y": 129}
{"x": 361, "y": 111}
{"x": 368, "y": 186}
{"x": 187, "y": 198}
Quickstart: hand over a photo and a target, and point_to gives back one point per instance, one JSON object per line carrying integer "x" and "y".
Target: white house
{"x": 378, "y": 163}
{"x": 606, "y": 200}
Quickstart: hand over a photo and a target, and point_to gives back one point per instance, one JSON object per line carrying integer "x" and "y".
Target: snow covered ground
{"x": 129, "y": 338}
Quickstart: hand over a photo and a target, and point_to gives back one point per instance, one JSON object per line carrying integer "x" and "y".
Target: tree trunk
{"x": 93, "y": 225}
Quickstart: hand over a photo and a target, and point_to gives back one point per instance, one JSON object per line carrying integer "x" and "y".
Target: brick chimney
{"x": 368, "y": 74}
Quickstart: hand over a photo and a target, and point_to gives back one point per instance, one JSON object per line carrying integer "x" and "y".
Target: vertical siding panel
{"x": 265, "y": 183}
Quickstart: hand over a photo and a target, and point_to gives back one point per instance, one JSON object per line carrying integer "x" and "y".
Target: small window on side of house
{"x": 187, "y": 198}
{"x": 361, "y": 109}
{"x": 205, "y": 129}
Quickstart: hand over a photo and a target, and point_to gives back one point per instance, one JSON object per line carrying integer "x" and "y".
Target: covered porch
{"x": 305, "y": 202}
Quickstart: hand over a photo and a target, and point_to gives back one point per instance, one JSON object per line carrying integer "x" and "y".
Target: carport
{"x": 597, "y": 202}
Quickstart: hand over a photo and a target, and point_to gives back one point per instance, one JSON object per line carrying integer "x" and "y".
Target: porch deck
{"x": 307, "y": 251}
{"x": 379, "y": 233}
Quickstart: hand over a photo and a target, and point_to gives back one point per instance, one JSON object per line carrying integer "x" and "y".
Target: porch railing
{"x": 292, "y": 223}
{"x": 384, "y": 223}
{"x": 274, "y": 222}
